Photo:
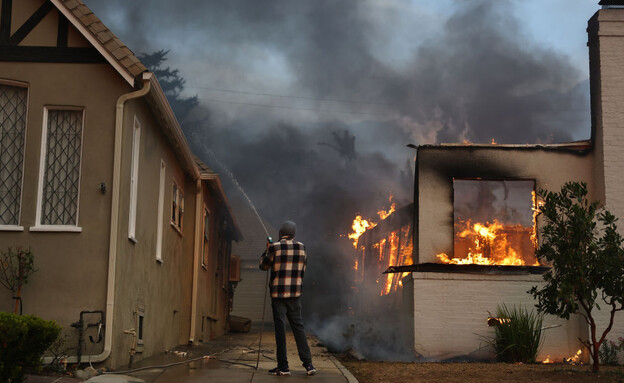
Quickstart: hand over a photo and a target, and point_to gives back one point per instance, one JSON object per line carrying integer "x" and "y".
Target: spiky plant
{"x": 518, "y": 337}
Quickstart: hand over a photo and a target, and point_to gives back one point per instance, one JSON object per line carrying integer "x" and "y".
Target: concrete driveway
{"x": 234, "y": 360}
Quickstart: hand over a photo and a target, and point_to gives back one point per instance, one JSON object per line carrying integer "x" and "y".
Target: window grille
{"x": 61, "y": 179}
{"x": 13, "y": 101}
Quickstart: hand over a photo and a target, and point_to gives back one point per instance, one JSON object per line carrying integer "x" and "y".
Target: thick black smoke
{"x": 476, "y": 77}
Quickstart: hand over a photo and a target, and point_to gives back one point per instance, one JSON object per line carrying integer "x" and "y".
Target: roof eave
{"x": 581, "y": 145}
{"x": 216, "y": 181}
{"x": 127, "y": 76}
{"x": 172, "y": 125}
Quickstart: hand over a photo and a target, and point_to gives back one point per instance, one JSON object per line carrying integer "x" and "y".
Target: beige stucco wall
{"x": 451, "y": 311}
{"x": 213, "y": 277}
{"x": 161, "y": 291}
{"x": 72, "y": 267}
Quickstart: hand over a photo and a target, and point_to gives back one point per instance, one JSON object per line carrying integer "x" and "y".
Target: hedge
{"x": 23, "y": 340}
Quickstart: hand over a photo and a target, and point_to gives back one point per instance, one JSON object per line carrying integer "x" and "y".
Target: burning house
{"x": 475, "y": 229}
{"x": 475, "y": 239}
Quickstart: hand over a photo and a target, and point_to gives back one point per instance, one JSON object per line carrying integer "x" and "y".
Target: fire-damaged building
{"x": 475, "y": 223}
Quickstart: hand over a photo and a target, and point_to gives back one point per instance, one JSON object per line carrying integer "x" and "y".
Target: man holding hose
{"x": 287, "y": 261}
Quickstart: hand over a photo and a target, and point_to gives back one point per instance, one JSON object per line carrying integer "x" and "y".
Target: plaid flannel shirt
{"x": 287, "y": 260}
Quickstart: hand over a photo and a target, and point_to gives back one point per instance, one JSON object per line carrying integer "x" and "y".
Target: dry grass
{"x": 378, "y": 372}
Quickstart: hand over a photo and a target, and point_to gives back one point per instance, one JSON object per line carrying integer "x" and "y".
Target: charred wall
{"x": 437, "y": 166}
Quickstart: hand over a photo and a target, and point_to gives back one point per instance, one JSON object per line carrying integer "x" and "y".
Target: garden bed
{"x": 374, "y": 372}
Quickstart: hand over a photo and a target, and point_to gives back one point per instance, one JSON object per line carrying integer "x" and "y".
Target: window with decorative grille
{"x": 61, "y": 177}
{"x": 13, "y": 106}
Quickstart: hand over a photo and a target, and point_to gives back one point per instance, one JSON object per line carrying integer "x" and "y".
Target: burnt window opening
{"x": 494, "y": 223}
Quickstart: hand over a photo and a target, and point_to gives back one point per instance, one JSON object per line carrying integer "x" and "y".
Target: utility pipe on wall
{"x": 112, "y": 251}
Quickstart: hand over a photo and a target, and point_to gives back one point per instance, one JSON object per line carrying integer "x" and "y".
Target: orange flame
{"x": 394, "y": 252}
{"x": 575, "y": 359}
{"x": 493, "y": 244}
{"x": 547, "y": 360}
{"x": 380, "y": 246}
{"x": 383, "y": 214}
{"x": 359, "y": 226}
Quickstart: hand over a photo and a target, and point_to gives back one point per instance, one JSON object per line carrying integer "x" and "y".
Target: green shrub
{"x": 23, "y": 340}
{"x": 518, "y": 337}
{"x": 608, "y": 353}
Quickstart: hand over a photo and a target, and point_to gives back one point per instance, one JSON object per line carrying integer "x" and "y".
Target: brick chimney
{"x": 606, "y": 73}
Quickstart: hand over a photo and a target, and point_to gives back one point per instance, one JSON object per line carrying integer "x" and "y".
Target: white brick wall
{"x": 607, "y": 71}
{"x": 602, "y": 321}
{"x": 451, "y": 311}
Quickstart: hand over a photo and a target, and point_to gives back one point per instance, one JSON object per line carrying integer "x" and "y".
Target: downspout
{"x": 112, "y": 250}
{"x": 198, "y": 241}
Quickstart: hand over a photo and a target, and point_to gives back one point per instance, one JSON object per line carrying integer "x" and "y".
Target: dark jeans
{"x": 291, "y": 309}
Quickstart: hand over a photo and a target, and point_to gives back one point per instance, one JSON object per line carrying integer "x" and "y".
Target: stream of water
{"x": 235, "y": 181}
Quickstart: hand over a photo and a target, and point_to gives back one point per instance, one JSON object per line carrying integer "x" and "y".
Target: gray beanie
{"x": 288, "y": 229}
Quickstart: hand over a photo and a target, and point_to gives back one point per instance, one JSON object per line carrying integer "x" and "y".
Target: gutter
{"x": 172, "y": 129}
{"x": 112, "y": 250}
{"x": 214, "y": 178}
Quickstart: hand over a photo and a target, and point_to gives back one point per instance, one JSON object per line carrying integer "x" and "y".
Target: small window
{"x": 161, "y": 211}
{"x": 177, "y": 207}
{"x": 140, "y": 329}
{"x": 60, "y": 167}
{"x": 134, "y": 179}
{"x": 13, "y": 107}
{"x": 206, "y": 238}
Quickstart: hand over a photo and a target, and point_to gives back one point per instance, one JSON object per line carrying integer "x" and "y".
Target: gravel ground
{"x": 374, "y": 372}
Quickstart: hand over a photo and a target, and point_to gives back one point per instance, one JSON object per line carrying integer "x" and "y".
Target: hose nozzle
{"x": 269, "y": 239}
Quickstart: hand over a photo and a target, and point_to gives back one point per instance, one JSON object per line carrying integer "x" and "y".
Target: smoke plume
{"x": 277, "y": 77}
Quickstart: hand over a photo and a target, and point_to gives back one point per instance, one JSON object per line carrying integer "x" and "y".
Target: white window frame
{"x": 161, "y": 211}
{"x": 19, "y": 84}
{"x": 44, "y": 140}
{"x": 179, "y": 206}
{"x": 134, "y": 179}
{"x": 204, "y": 261}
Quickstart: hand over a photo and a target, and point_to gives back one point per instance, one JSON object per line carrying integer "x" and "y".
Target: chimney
{"x": 606, "y": 4}
{"x": 606, "y": 73}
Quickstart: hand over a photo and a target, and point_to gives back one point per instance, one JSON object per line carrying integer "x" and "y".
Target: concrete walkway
{"x": 234, "y": 361}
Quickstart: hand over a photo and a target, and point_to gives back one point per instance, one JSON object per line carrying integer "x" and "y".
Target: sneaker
{"x": 280, "y": 371}
{"x": 310, "y": 370}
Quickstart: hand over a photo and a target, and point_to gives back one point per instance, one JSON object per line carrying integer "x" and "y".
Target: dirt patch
{"x": 378, "y": 372}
